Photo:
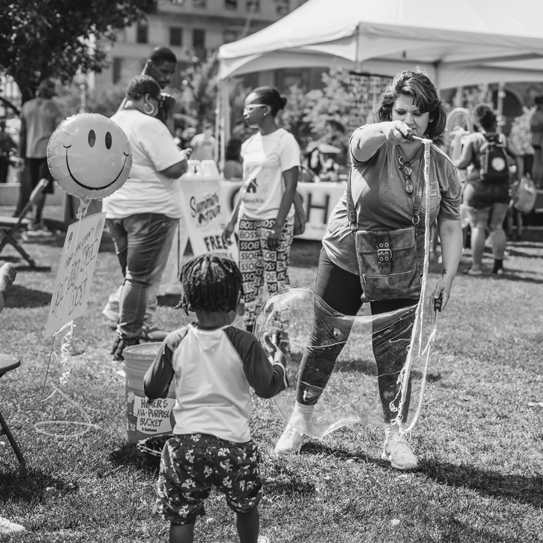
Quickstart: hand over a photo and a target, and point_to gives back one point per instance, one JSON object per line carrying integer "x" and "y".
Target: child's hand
{"x": 279, "y": 355}
{"x": 185, "y": 153}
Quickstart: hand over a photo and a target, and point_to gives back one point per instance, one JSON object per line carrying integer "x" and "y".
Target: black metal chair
{"x": 8, "y": 363}
{"x": 9, "y": 226}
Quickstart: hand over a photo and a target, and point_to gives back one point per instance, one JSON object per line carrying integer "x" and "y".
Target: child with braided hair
{"x": 213, "y": 364}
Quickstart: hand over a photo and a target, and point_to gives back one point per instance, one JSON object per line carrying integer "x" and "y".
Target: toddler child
{"x": 213, "y": 364}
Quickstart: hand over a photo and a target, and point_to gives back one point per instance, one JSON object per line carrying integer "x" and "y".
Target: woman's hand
{"x": 396, "y": 131}
{"x": 227, "y": 234}
{"x": 274, "y": 237}
{"x": 442, "y": 292}
{"x": 185, "y": 153}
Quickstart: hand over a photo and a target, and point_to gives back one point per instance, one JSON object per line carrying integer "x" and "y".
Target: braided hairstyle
{"x": 211, "y": 283}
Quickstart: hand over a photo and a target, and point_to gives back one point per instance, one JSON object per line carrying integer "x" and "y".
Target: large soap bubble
{"x": 316, "y": 333}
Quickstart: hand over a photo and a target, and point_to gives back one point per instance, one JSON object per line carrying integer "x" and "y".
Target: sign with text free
{"x": 206, "y": 215}
{"x": 75, "y": 272}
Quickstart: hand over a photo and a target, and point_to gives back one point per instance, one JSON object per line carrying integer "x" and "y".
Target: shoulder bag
{"x": 387, "y": 259}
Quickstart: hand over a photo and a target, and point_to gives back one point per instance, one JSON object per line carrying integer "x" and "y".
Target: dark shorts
{"x": 191, "y": 464}
{"x": 37, "y": 169}
{"x": 481, "y": 194}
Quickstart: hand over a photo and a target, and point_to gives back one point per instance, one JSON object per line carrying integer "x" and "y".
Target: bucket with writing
{"x": 143, "y": 419}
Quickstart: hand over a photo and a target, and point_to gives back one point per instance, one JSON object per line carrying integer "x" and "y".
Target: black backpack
{"x": 492, "y": 159}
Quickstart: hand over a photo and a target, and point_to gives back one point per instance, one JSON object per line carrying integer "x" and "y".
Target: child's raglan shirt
{"x": 213, "y": 370}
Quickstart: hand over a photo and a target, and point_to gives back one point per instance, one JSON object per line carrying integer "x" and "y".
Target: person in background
{"x": 204, "y": 145}
{"x": 213, "y": 364}
{"x": 39, "y": 119}
{"x": 386, "y": 172}
{"x": 143, "y": 214}
{"x": 271, "y": 163}
{"x": 233, "y": 166}
{"x": 161, "y": 67}
{"x": 536, "y": 140}
{"x": 7, "y": 145}
{"x": 487, "y": 202}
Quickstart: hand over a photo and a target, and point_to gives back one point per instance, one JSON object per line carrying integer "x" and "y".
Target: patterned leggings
{"x": 260, "y": 265}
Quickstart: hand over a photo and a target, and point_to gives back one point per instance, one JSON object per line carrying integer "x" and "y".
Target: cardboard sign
{"x": 206, "y": 215}
{"x": 153, "y": 418}
{"x": 75, "y": 272}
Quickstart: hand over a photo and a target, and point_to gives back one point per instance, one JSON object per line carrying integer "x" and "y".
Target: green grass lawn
{"x": 479, "y": 441}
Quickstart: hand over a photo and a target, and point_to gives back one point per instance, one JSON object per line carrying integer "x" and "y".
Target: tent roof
{"x": 460, "y": 42}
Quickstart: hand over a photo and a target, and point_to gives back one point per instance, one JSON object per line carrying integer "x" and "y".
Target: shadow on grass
{"x": 128, "y": 455}
{"x": 169, "y": 300}
{"x": 22, "y": 297}
{"x": 527, "y": 490}
{"x": 305, "y": 253}
{"x": 509, "y": 276}
{"x": 31, "y": 485}
{"x": 521, "y": 254}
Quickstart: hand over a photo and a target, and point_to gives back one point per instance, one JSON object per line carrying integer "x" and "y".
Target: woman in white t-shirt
{"x": 271, "y": 163}
{"x": 142, "y": 215}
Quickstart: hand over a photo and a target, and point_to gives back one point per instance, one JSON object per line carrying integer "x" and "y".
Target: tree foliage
{"x": 56, "y": 38}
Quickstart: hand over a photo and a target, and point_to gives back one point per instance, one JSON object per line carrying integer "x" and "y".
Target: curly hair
{"x": 211, "y": 283}
{"x": 484, "y": 116}
{"x": 141, "y": 85}
{"x": 420, "y": 88}
{"x": 270, "y": 96}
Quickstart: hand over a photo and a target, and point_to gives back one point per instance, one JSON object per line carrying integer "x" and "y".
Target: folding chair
{"x": 9, "y": 226}
{"x": 8, "y": 363}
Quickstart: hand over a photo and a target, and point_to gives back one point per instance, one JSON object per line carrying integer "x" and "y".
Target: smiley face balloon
{"x": 89, "y": 156}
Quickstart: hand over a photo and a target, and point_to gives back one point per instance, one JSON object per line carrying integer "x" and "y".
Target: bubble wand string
{"x": 404, "y": 376}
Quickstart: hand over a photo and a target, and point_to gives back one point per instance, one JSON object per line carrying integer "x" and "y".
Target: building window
{"x": 176, "y": 36}
{"x": 282, "y": 7}
{"x": 199, "y": 3}
{"x": 199, "y": 38}
{"x": 253, "y": 5}
{"x": 230, "y": 35}
{"x": 141, "y": 35}
{"x": 231, "y": 4}
{"x": 117, "y": 69}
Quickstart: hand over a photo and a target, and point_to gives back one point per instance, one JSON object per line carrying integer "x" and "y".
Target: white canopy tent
{"x": 459, "y": 42}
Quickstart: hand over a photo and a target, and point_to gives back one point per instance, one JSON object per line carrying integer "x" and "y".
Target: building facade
{"x": 192, "y": 28}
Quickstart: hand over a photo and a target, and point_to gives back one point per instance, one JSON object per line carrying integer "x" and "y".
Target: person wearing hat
{"x": 39, "y": 119}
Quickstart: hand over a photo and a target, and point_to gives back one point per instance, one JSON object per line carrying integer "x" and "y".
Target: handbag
{"x": 525, "y": 195}
{"x": 387, "y": 259}
{"x": 300, "y": 216}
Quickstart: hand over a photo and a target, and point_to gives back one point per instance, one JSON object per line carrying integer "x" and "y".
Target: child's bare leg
{"x": 248, "y": 525}
{"x": 182, "y": 533}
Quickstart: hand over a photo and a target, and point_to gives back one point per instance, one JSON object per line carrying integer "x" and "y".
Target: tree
{"x": 58, "y": 38}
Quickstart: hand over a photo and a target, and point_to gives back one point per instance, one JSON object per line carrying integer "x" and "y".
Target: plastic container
{"x": 144, "y": 420}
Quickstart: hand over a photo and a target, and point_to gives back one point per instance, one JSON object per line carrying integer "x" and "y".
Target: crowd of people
{"x": 385, "y": 196}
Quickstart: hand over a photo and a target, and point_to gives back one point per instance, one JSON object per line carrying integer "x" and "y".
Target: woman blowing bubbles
{"x": 386, "y": 200}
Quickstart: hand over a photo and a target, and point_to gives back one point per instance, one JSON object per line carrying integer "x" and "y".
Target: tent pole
{"x": 224, "y": 121}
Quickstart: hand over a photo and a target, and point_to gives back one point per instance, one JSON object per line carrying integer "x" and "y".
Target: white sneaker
{"x": 263, "y": 539}
{"x": 398, "y": 452}
{"x": 290, "y": 442}
{"x": 7, "y": 527}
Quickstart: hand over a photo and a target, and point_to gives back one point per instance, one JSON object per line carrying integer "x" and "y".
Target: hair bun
{"x": 282, "y": 102}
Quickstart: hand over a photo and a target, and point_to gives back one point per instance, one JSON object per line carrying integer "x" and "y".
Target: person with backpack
{"x": 487, "y": 189}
